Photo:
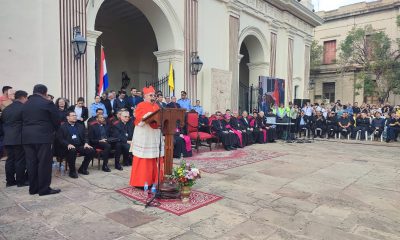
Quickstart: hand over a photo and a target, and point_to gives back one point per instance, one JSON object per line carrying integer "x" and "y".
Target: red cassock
{"x": 145, "y": 149}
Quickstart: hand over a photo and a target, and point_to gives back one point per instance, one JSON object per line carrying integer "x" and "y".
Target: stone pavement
{"x": 323, "y": 190}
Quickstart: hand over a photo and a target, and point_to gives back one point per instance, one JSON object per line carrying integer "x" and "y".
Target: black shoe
{"x": 126, "y": 163}
{"x": 51, "y": 191}
{"x": 11, "y": 184}
{"x": 33, "y": 193}
{"x": 84, "y": 172}
{"x": 227, "y": 148}
{"x": 105, "y": 168}
{"x": 118, "y": 166}
{"x": 232, "y": 148}
{"x": 73, "y": 174}
{"x": 24, "y": 184}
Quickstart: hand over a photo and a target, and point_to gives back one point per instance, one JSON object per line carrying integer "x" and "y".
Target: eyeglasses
{"x": 125, "y": 116}
{"x": 151, "y": 95}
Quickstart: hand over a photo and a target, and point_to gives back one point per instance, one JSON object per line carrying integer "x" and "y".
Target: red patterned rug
{"x": 197, "y": 200}
{"x": 220, "y": 160}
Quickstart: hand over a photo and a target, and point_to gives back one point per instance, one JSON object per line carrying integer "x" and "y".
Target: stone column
{"x": 257, "y": 69}
{"x": 307, "y": 49}
{"x": 176, "y": 57}
{"x": 234, "y": 23}
{"x": 92, "y": 36}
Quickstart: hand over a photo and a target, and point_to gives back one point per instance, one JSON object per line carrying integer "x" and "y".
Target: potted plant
{"x": 185, "y": 175}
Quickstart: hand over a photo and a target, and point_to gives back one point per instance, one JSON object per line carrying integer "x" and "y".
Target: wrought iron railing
{"x": 249, "y": 98}
{"x": 161, "y": 85}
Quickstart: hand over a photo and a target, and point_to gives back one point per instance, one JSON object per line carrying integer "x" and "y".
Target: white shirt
{"x": 308, "y": 111}
{"x": 78, "y": 112}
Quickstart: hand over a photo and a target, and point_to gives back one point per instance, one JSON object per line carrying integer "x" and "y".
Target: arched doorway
{"x": 251, "y": 66}
{"x": 140, "y": 38}
{"x": 129, "y": 43}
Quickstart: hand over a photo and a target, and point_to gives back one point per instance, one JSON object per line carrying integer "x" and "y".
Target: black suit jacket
{"x": 1, "y": 129}
{"x": 118, "y": 105}
{"x": 95, "y": 133}
{"x": 307, "y": 121}
{"x": 173, "y": 105}
{"x": 134, "y": 100}
{"x": 85, "y": 112}
{"x": 218, "y": 126}
{"x": 118, "y": 131}
{"x": 12, "y": 123}
{"x": 319, "y": 123}
{"x": 40, "y": 120}
{"x": 108, "y": 106}
{"x": 162, "y": 104}
{"x": 235, "y": 124}
{"x": 64, "y": 136}
{"x": 245, "y": 124}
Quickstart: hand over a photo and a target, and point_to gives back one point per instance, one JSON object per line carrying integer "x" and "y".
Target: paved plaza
{"x": 321, "y": 190}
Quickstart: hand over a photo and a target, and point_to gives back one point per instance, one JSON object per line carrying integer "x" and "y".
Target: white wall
{"x": 30, "y": 44}
{"x": 298, "y": 65}
{"x": 213, "y": 45}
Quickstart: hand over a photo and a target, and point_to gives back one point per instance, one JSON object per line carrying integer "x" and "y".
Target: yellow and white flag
{"x": 171, "y": 78}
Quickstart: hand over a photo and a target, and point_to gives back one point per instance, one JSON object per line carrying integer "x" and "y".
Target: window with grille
{"x": 328, "y": 91}
{"x": 329, "y": 52}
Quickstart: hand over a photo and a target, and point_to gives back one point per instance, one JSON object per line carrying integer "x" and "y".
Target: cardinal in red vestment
{"x": 145, "y": 145}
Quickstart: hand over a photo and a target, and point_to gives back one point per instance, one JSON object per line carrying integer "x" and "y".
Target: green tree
{"x": 316, "y": 51}
{"x": 371, "y": 52}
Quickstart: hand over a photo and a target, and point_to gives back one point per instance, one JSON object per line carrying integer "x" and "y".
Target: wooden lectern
{"x": 166, "y": 119}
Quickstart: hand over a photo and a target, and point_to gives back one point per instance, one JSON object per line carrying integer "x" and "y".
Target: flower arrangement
{"x": 185, "y": 174}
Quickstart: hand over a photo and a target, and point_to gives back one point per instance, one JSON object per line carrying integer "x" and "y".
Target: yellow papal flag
{"x": 171, "y": 78}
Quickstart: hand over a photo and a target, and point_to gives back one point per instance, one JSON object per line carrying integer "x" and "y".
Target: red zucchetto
{"x": 148, "y": 90}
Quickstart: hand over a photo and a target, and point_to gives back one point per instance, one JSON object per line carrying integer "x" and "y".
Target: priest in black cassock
{"x": 228, "y": 138}
{"x": 235, "y": 123}
{"x": 245, "y": 122}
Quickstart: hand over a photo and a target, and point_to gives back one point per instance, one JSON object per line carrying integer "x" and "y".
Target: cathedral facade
{"x": 237, "y": 40}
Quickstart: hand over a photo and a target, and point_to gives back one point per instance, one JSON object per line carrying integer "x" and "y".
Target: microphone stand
{"x": 158, "y": 192}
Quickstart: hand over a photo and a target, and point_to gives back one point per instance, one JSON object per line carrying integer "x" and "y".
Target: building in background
{"x": 237, "y": 40}
{"x": 329, "y": 85}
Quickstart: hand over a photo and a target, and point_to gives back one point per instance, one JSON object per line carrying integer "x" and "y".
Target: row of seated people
{"x": 235, "y": 131}
{"x": 106, "y": 135}
{"x": 103, "y": 135}
{"x": 345, "y": 125}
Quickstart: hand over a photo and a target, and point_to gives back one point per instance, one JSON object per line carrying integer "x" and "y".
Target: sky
{"x": 326, "y": 5}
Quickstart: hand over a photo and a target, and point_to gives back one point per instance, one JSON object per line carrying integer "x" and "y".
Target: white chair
{"x": 358, "y": 135}
{"x": 372, "y": 136}
{"x": 316, "y": 131}
{"x": 305, "y": 131}
{"x": 331, "y": 130}
{"x": 348, "y": 134}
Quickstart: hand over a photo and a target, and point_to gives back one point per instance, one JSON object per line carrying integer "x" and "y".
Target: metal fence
{"x": 161, "y": 85}
{"x": 249, "y": 98}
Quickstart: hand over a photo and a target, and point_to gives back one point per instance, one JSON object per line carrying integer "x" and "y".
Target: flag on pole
{"x": 171, "y": 78}
{"x": 103, "y": 82}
